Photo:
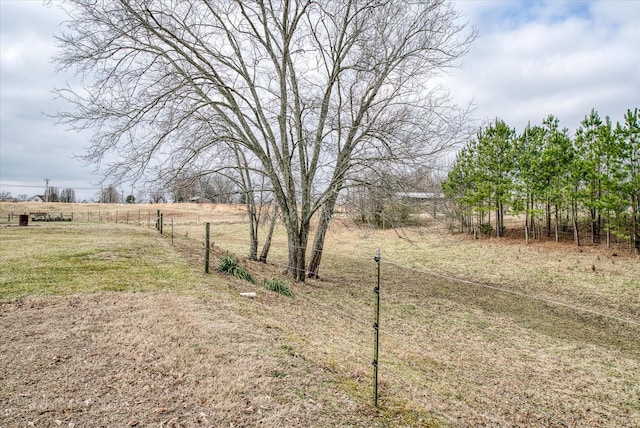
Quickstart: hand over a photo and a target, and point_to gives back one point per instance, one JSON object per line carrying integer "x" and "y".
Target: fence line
{"x": 514, "y": 226}
{"x": 475, "y": 284}
{"x": 109, "y": 215}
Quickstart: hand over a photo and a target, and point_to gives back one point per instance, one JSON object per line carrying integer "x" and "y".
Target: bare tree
{"x": 110, "y": 195}
{"x": 311, "y": 92}
{"x": 184, "y": 188}
{"x": 68, "y": 195}
{"x": 53, "y": 195}
{"x": 157, "y": 196}
{"x": 220, "y": 189}
{"x": 228, "y": 174}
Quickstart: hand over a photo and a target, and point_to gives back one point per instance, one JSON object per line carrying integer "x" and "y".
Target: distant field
{"x": 115, "y": 323}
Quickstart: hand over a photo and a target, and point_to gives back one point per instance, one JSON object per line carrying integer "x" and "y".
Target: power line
{"x": 29, "y": 186}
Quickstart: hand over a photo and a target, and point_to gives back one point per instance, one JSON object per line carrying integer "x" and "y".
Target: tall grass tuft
{"x": 279, "y": 287}
{"x": 230, "y": 266}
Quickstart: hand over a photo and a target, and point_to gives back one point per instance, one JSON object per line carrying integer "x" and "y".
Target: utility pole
{"x": 46, "y": 191}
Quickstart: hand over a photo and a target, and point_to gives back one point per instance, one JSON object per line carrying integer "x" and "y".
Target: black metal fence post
{"x": 206, "y": 247}
{"x": 376, "y": 327}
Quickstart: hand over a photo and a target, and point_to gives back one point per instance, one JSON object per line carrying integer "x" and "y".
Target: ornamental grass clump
{"x": 279, "y": 287}
{"x": 229, "y": 265}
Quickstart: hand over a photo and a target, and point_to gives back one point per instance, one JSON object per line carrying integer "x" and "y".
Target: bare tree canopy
{"x": 310, "y": 93}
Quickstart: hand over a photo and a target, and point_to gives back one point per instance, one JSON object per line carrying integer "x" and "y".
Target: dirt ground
{"x": 150, "y": 359}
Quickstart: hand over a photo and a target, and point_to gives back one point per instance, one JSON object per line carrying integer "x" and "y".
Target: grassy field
{"x": 110, "y": 324}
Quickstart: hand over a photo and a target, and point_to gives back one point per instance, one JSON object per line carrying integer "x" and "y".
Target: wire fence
{"x": 514, "y": 226}
{"x": 190, "y": 228}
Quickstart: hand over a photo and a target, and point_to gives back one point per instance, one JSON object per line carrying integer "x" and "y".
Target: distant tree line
{"x": 6, "y": 196}
{"x": 560, "y": 182}
{"x": 53, "y": 194}
{"x": 216, "y": 188}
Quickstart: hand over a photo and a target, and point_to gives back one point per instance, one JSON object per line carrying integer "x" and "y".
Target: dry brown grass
{"x": 533, "y": 336}
{"x": 152, "y": 359}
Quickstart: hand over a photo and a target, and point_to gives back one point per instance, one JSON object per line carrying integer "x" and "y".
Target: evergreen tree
{"x": 545, "y": 171}
{"x": 528, "y": 149}
{"x": 629, "y": 133}
{"x": 461, "y": 185}
{"x": 591, "y": 165}
{"x": 556, "y": 162}
{"x": 496, "y": 164}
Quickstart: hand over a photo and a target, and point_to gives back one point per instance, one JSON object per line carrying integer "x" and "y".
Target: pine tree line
{"x": 588, "y": 182}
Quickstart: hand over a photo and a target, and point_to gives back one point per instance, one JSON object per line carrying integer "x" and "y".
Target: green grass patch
{"x": 70, "y": 258}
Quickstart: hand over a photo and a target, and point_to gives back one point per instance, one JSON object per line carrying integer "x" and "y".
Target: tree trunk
{"x": 556, "y": 219}
{"x": 267, "y": 241}
{"x": 316, "y": 255}
{"x": 297, "y": 251}
{"x": 526, "y": 226}
{"x": 574, "y": 216}
{"x": 253, "y": 226}
{"x": 253, "y": 237}
{"x": 595, "y": 235}
{"x": 548, "y": 214}
{"x": 318, "y": 241}
{"x": 294, "y": 255}
{"x": 635, "y": 225}
{"x": 532, "y": 220}
{"x": 378, "y": 210}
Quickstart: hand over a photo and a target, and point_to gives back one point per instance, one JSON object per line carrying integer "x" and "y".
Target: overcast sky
{"x": 531, "y": 59}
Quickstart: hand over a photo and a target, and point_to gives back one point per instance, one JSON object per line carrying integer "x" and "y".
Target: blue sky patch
{"x": 509, "y": 14}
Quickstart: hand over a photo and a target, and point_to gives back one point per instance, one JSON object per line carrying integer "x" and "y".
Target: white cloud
{"x": 533, "y": 59}
{"x": 32, "y": 147}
